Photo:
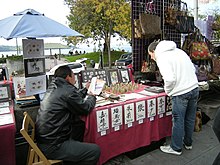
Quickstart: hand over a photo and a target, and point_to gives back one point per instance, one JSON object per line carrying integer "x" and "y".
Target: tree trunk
{"x": 109, "y": 45}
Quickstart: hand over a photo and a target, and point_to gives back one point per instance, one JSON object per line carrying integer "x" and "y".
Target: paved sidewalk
{"x": 205, "y": 149}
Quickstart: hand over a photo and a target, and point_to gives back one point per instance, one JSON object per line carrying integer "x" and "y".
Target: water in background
{"x": 126, "y": 48}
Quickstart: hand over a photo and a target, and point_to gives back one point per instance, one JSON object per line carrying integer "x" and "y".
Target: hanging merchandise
{"x": 148, "y": 66}
{"x": 216, "y": 26}
{"x": 216, "y": 65}
{"x": 196, "y": 46}
{"x": 150, "y": 22}
{"x": 137, "y": 29}
{"x": 178, "y": 17}
{"x": 170, "y": 15}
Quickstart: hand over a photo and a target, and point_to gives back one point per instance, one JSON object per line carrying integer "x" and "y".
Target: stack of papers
{"x": 6, "y": 119}
{"x": 4, "y": 108}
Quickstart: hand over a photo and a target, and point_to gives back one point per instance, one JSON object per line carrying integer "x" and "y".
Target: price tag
{"x": 140, "y": 121}
{"x": 161, "y": 115}
{"x": 103, "y": 133}
{"x": 151, "y": 118}
{"x": 116, "y": 128}
{"x": 169, "y": 113}
{"x": 129, "y": 125}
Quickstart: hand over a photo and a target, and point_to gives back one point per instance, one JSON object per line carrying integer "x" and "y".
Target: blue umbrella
{"x": 32, "y": 24}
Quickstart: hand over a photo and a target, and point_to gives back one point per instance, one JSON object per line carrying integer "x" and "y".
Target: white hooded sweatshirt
{"x": 176, "y": 68}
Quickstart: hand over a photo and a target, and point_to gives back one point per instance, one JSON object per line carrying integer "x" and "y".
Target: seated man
{"x": 58, "y": 117}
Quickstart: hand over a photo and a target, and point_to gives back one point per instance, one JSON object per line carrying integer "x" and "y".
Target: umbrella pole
{"x": 17, "y": 45}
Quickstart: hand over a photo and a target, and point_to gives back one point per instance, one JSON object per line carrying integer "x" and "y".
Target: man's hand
{"x": 87, "y": 85}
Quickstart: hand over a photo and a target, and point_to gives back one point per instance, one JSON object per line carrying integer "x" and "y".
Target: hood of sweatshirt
{"x": 164, "y": 46}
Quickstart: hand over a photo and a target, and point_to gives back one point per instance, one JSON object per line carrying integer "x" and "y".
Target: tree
{"x": 100, "y": 19}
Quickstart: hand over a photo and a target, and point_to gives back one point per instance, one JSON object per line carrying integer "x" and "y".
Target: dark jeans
{"x": 216, "y": 129}
{"x": 183, "y": 115}
{"x": 73, "y": 151}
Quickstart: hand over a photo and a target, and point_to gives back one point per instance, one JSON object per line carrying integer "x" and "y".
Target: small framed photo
{"x": 124, "y": 75}
{"x": 34, "y": 67}
{"x": 86, "y": 76}
{"x": 5, "y": 93}
{"x": 113, "y": 76}
{"x": 101, "y": 74}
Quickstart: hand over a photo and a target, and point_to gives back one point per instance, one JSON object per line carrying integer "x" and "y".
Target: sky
{"x": 54, "y": 9}
{"x": 205, "y": 6}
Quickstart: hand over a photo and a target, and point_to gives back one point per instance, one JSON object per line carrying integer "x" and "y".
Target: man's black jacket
{"x": 61, "y": 106}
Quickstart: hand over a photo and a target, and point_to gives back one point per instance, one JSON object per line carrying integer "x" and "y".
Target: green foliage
{"x": 2, "y": 60}
{"x": 95, "y": 56}
{"x": 99, "y": 19}
{"x": 12, "y": 58}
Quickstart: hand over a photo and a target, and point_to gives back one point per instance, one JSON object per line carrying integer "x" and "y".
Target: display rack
{"x": 139, "y": 45}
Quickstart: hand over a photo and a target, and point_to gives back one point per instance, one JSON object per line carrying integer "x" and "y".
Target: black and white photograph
{"x": 124, "y": 75}
{"x": 34, "y": 67}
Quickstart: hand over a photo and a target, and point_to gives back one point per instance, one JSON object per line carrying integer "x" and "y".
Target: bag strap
{"x": 150, "y": 7}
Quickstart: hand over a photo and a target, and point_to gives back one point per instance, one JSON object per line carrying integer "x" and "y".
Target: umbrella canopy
{"x": 32, "y": 24}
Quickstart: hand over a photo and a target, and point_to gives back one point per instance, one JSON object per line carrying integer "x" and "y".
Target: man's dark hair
{"x": 63, "y": 71}
{"x": 152, "y": 46}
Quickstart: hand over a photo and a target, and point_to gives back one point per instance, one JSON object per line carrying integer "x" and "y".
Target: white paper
{"x": 161, "y": 105}
{"x": 116, "y": 116}
{"x": 6, "y": 119}
{"x": 4, "y": 104}
{"x": 140, "y": 110}
{"x": 151, "y": 108}
{"x": 102, "y": 120}
{"x": 35, "y": 85}
{"x": 96, "y": 86}
{"x": 129, "y": 113}
{"x": 4, "y": 110}
{"x": 131, "y": 96}
{"x": 147, "y": 93}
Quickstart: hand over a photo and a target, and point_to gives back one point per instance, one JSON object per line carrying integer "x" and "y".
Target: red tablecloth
{"x": 7, "y": 142}
{"x": 127, "y": 138}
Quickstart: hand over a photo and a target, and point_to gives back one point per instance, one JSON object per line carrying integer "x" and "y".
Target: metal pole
{"x": 17, "y": 45}
{"x": 196, "y": 9}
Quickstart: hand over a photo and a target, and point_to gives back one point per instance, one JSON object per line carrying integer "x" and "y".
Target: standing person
{"x": 59, "y": 130}
{"x": 181, "y": 84}
{"x": 216, "y": 129}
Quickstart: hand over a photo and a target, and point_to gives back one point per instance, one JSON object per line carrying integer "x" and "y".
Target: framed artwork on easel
{"x": 124, "y": 75}
{"x": 113, "y": 76}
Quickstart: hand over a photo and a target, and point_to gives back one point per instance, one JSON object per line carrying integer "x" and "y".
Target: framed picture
{"x": 35, "y": 85}
{"x": 124, "y": 75}
{"x": 34, "y": 67}
{"x": 113, "y": 76}
{"x": 19, "y": 87}
{"x": 33, "y": 48}
{"x": 5, "y": 93}
{"x": 101, "y": 74}
{"x": 86, "y": 76}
